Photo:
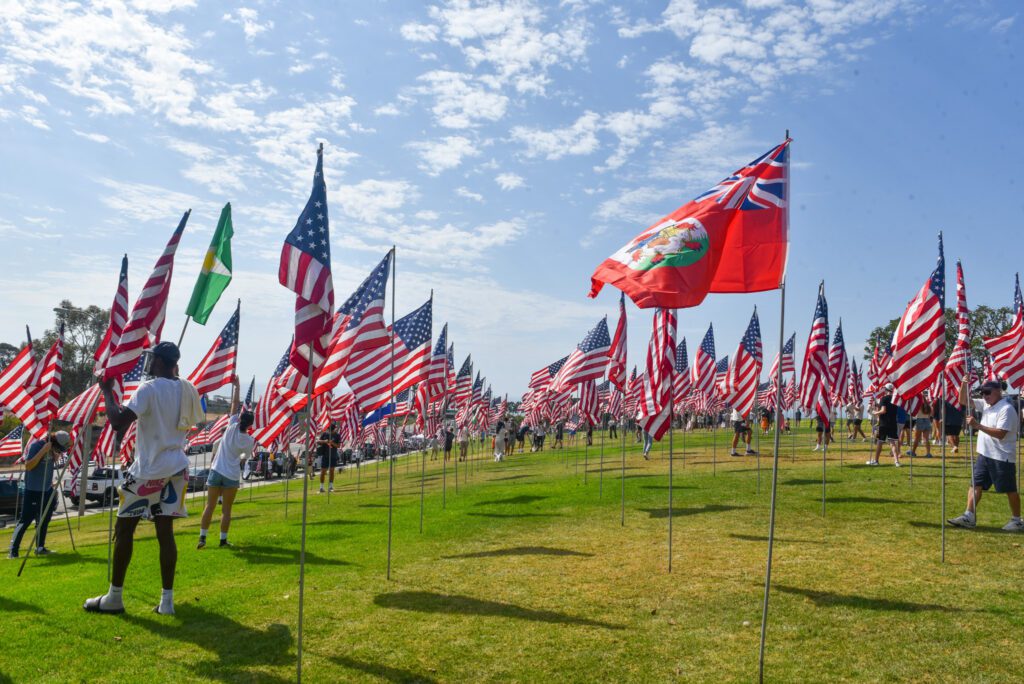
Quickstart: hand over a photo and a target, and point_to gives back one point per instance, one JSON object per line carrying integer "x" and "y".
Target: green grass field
{"x": 527, "y": 575}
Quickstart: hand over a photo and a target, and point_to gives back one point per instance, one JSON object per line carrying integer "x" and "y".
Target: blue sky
{"x": 506, "y": 149}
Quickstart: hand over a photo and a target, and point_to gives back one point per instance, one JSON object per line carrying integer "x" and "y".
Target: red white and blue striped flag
{"x": 1007, "y": 350}
{"x": 681, "y": 379}
{"x": 656, "y": 398}
{"x": 305, "y": 269}
{"x": 588, "y": 361}
{"x": 218, "y": 367}
{"x": 814, "y": 372}
{"x": 744, "y": 373}
{"x": 959, "y": 358}
{"x": 838, "y": 371}
{"x": 617, "y": 353}
{"x": 702, "y": 375}
{"x": 437, "y": 378}
{"x": 118, "y": 319}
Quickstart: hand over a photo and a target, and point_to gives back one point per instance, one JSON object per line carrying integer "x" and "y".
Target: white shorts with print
{"x": 150, "y": 498}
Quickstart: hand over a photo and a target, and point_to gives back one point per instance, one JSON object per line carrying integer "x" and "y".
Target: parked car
{"x": 101, "y": 485}
{"x": 9, "y": 496}
{"x": 197, "y": 478}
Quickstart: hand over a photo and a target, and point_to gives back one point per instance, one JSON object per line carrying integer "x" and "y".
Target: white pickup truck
{"x": 98, "y": 485}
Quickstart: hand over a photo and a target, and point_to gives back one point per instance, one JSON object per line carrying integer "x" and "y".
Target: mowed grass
{"x": 526, "y": 574}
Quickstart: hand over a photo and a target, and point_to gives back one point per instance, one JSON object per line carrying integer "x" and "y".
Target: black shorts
{"x": 739, "y": 426}
{"x": 953, "y": 430}
{"x": 1001, "y": 474}
{"x": 858, "y": 421}
{"x": 328, "y": 461}
{"x": 887, "y": 432}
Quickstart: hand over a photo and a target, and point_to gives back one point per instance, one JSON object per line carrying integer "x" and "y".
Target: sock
{"x": 112, "y": 599}
{"x": 203, "y": 531}
{"x": 969, "y": 515}
{"x": 223, "y": 536}
{"x": 167, "y": 601}
{"x": 1014, "y": 518}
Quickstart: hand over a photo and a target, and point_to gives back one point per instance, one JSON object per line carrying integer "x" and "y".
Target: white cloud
{"x": 143, "y": 202}
{"x": 469, "y": 194}
{"x": 30, "y": 115}
{"x": 437, "y": 156}
{"x": 299, "y": 68}
{"x": 1004, "y": 25}
{"x": 419, "y": 33}
{"x": 460, "y": 101}
{"x": 578, "y": 139}
{"x": 248, "y": 19}
{"x": 95, "y": 137}
{"x": 374, "y": 201}
{"x": 509, "y": 181}
{"x": 387, "y": 110}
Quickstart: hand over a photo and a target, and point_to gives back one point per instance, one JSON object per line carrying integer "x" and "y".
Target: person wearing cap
{"x": 37, "y": 506}
{"x": 995, "y": 467}
{"x": 165, "y": 407}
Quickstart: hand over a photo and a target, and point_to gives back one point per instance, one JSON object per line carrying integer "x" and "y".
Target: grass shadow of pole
{"x": 454, "y": 604}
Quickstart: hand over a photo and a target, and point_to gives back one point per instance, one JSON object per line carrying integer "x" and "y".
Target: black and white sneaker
{"x": 202, "y": 543}
{"x": 43, "y": 551}
{"x": 225, "y": 544}
{"x": 965, "y": 521}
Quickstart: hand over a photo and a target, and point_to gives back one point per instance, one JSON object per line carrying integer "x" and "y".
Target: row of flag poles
{"x": 731, "y": 239}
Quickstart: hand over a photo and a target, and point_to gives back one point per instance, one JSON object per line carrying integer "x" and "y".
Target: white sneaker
{"x": 321, "y": 490}
{"x": 966, "y": 521}
{"x": 816, "y": 448}
{"x": 871, "y": 463}
{"x": 898, "y": 464}
{"x": 1015, "y": 525}
{"x": 330, "y": 488}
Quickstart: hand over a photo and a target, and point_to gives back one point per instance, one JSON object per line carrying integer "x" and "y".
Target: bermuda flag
{"x": 814, "y": 373}
{"x": 118, "y": 319}
{"x": 358, "y": 326}
{"x": 377, "y": 375}
{"x": 588, "y": 361}
{"x": 218, "y": 366}
{"x": 788, "y": 360}
{"x": 147, "y": 318}
{"x": 541, "y": 380}
{"x": 617, "y": 353}
{"x": 838, "y": 371}
{"x": 702, "y": 375}
{"x": 437, "y": 378}
{"x": 1007, "y": 350}
{"x": 919, "y": 344}
{"x": 744, "y": 374}
{"x": 15, "y": 383}
{"x": 305, "y": 269}
{"x": 655, "y": 411}
{"x": 956, "y": 365}
{"x": 681, "y": 379}
{"x": 464, "y": 382}
{"x": 732, "y": 238}
{"x": 11, "y": 445}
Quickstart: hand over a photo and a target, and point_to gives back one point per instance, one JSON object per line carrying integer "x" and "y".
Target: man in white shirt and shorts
{"x": 165, "y": 407}
{"x": 995, "y": 466}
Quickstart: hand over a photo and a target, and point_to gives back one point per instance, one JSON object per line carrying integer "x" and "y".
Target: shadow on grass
{"x": 335, "y": 522}
{"x": 665, "y": 487}
{"x": 511, "y": 477}
{"x": 12, "y": 605}
{"x": 521, "y": 499}
{"x": 522, "y": 551}
{"x": 682, "y": 512}
{"x": 760, "y": 538}
{"x": 453, "y": 604}
{"x": 502, "y": 516}
{"x": 871, "y": 499}
{"x": 262, "y": 554}
{"x": 797, "y": 481}
{"x": 985, "y": 529}
{"x": 384, "y": 672}
{"x": 828, "y": 599}
{"x": 236, "y": 646}
{"x": 64, "y": 559}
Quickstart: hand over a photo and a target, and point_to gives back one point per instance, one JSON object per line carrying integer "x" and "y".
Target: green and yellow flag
{"x": 216, "y": 273}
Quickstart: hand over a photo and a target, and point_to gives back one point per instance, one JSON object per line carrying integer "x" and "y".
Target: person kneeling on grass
{"x": 997, "y": 454}
{"x": 226, "y": 471}
{"x": 166, "y": 408}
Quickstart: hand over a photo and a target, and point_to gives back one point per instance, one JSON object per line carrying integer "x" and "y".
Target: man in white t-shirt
{"x": 154, "y": 487}
{"x": 997, "y": 454}
{"x": 740, "y": 428}
{"x": 226, "y": 471}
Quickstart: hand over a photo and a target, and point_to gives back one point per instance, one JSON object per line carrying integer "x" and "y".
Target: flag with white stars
{"x": 218, "y": 366}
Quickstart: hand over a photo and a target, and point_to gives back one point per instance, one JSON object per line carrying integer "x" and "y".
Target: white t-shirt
{"x": 160, "y": 445}
{"x": 1003, "y": 416}
{"x": 233, "y": 445}
{"x": 736, "y": 416}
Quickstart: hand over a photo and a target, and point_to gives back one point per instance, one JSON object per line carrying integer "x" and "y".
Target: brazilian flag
{"x": 216, "y": 273}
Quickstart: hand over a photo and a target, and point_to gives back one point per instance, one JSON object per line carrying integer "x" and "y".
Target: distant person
{"x": 613, "y": 428}
{"x": 903, "y": 425}
{"x": 888, "y": 431}
{"x": 856, "y": 410}
{"x": 740, "y": 428}
{"x": 922, "y": 430}
{"x": 797, "y": 416}
{"x": 648, "y": 443}
{"x": 36, "y": 506}
{"x": 559, "y": 435}
{"x": 166, "y": 408}
{"x": 449, "y": 442}
{"x": 590, "y": 434}
{"x": 226, "y": 470}
{"x": 524, "y": 430}
{"x": 823, "y": 436}
{"x": 463, "y": 443}
{"x": 327, "y": 449}
{"x": 996, "y": 465}
{"x": 953, "y": 423}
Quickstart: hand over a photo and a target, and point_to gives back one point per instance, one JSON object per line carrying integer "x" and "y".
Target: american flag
{"x": 15, "y": 383}
{"x": 988, "y": 370}
{"x": 744, "y": 375}
{"x": 272, "y": 413}
{"x": 541, "y": 380}
{"x": 838, "y": 371}
{"x": 211, "y": 432}
{"x": 656, "y": 399}
{"x": 218, "y": 366}
{"x": 959, "y": 358}
{"x": 147, "y": 318}
{"x": 358, "y": 326}
{"x": 789, "y": 392}
{"x": 617, "y": 353}
{"x": 588, "y": 361}
{"x": 421, "y": 404}
{"x": 437, "y": 379}
{"x": 404, "y": 402}
{"x": 81, "y": 409}
{"x": 766, "y": 395}
{"x": 46, "y": 381}
{"x": 814, "y": 372}
{"x": 464, "y": 382}
{"x": 721, "y": 372}
{"x": 451, "y": 367}
{"x": 249, "y": 402}
{"x": 615, "y": 403}
{"x": 702, "y": 375}
{"x": 11, "y": 445}
{"x": 681, "y": 380}
{"x": 369, "y": 374}
{"x": 118, "y": 319}
{"x": 788, "y": 359}
{"x": 856, "y": 392}
{"x": 919, "y": 344}
{"x": 1007, "y": 350}
{"x": 633, "y": 391}
{"x": 305, "y": 269}
{"x": 589, "y": 405}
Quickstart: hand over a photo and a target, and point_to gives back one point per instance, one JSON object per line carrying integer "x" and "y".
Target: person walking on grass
{"x": 888, "y": 431}
{"x": 648, "y": 443}
{"x": 327, "y": 450}
{"x": 740, "y": 428}
{"x": 856, "y": 411}
{"x": 559, "y": 435}
{"x": 922, "y": 430}
{"x": 954, "y": 425}
{"x": 823, "y": 436}
{"x": 226, "y": 471}
{"x": 166, "y": 408}
{"x": 36, "y": 506}
{"x": 996, "y": 465}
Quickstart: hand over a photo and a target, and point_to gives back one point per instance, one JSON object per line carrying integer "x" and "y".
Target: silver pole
{"x": 670, "y": 410}
{"x": 391, "y": 434}
{"x": 942, "y": 522}
{"x": 622, "y": 480}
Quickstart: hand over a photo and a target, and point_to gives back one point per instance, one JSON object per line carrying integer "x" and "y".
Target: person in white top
{"x": 165, "y": 407}
{"x": 740, "y": 428}
{"x": 997, "y": 454}
{"x": 226, "y": 471}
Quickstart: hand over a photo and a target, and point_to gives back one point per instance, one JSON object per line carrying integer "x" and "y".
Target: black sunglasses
{"x": 986, "y": 392}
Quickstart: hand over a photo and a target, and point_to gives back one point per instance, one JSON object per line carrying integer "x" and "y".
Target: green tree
{"x": 83, "y": 331}
{"x": 7, "y": 354}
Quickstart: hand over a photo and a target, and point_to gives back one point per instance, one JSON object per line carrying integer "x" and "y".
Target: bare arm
{"x": 964, "y": 393}
{"x": 235, "y": 404}
{"x": 119, "y": 417}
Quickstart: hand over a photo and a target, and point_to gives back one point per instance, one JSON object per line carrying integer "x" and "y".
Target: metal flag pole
{"x": 757, "y": 456}
{"x": 622, "y": 479}
{"x": 391, "y": 434}
{"x": 824, "y": 462}
{"x": 942, "y": 522}
{"x": 600, "y": 475}
{"x": 586, "y": 449}
{"x": 671, "y": 409}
